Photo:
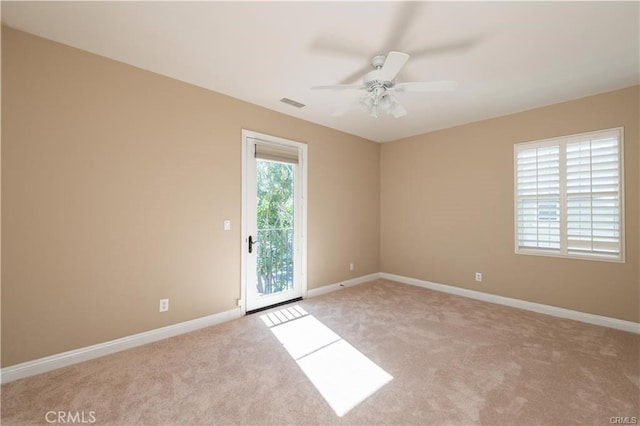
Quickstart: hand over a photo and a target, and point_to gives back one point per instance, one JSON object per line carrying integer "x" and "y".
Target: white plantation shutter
{"x": 593, "y": 194}
{"x": 569, "y": 196}
{"x": 538, "y": 194}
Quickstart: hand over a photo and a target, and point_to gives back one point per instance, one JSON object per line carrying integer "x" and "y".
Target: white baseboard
{"x": 42, "y": 365}
{"x": 64, "y": 359}
{"x": 618, "y": 324}
{"x": 337, "y": 286}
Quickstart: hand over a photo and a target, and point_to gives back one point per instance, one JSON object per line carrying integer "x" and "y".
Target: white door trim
{"x": 303, "y": 226}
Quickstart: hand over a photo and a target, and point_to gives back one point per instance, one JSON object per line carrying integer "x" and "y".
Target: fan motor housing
{"x": 371, "y": 80}
{"x": 378, "y": 61}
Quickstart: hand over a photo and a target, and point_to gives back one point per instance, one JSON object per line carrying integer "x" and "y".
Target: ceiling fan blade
{"x": 345, "y": 108}
{"x": 339, "y": 87}
{"x": 340, "y": 111}
{"x": 456, "y": 47}
{"x": 356, "y": 75}
{"x": 398, "y": 111}
{"x": 403, "y": 21}
{"x": 393, "y": 107}
{"x": 333, "y": 44}
{"x": 426, "y": 86}
{"x": 392, "y": 65}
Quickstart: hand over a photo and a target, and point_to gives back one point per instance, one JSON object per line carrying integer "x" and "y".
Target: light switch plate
{"x": 226, "y": 225}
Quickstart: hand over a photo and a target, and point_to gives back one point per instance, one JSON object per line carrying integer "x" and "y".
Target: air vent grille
{"x": 292, "y": 102}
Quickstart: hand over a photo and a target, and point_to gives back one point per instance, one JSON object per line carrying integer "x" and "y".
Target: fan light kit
{"x": 379, "y": 82}
{"x": 379, "y": 99}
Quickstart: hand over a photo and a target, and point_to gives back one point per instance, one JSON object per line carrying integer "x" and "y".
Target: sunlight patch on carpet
{"x": 343, "y": 375}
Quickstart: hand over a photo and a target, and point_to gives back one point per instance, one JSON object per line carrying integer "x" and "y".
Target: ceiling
{"x": 505, "y": 56}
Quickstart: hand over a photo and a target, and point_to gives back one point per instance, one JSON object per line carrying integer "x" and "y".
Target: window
{"x": 569, "y": 196}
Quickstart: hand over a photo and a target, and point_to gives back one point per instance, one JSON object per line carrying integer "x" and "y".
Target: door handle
{"x": 251, "y": 243}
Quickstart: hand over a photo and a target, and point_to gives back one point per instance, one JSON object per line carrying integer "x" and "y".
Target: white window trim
{"x": 563, "y": 212}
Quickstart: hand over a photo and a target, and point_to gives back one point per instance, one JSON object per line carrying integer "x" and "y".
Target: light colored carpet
{"x": 453, "y": 361}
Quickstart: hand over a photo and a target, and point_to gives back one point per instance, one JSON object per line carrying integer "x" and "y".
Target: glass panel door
{"x": 274, "y": 244}
{"x": 275, "y": 223}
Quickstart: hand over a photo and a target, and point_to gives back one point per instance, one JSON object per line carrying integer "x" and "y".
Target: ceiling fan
{"x": 380, "y": 83}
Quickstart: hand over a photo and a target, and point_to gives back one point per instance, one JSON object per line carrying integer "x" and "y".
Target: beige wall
{"x": 115, "y": 183}
{"x": 447, "y": 209}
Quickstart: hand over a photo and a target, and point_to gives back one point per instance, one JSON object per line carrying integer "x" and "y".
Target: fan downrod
{"x": 371, "y": 79}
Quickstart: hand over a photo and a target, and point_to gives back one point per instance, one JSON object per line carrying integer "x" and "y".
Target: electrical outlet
{"x": 164, "y": 305}
{"x": 479, "y": 277}
{"x": 351, "y": 267}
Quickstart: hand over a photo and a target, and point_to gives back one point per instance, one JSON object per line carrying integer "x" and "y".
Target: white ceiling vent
{"x": 292, "y": 102}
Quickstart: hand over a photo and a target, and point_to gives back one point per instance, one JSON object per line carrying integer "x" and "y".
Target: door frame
{"x": 302, "y": 163}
